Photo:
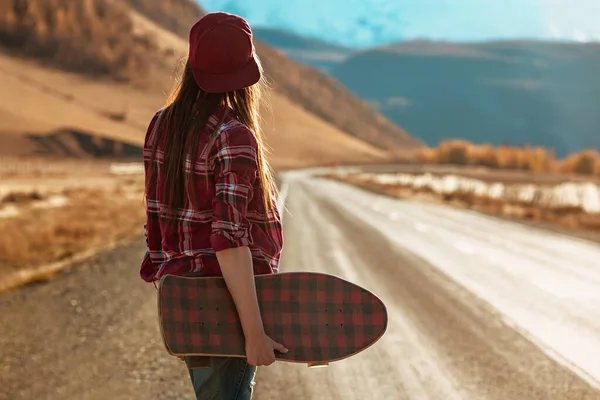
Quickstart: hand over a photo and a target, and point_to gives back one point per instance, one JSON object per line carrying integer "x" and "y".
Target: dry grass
{"x": 534, "y": 159}
{"x": 92, "y": 218}
{"x": 21, "y": 197}
{"x": 92, "y": 36}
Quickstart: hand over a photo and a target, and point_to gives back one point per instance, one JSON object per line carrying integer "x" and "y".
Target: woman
{"x": 210, "y": 195}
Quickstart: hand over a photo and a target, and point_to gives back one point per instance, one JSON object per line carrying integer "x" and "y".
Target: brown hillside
{"x": 108, "y": 118}
{"x": 174, "y": 15}
{"x": 306, "y": 86}
{"x": 89, "y": 36}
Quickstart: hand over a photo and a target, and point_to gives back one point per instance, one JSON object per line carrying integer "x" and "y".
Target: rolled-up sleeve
{"x": 235, "y": 171}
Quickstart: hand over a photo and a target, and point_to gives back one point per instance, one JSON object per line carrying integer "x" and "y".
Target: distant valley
{"x": 512, "y": 92}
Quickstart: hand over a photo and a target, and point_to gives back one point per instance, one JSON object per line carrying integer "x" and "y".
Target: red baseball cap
{"x": 222, "y": 55}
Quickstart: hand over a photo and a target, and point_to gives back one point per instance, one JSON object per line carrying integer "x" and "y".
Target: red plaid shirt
{"x": 230, "y": 212}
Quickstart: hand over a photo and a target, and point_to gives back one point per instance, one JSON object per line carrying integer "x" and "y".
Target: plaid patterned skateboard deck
{"x": 320, "y": 318}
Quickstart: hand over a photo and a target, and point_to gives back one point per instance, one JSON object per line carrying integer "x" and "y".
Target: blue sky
{"x": 361, "y": 23}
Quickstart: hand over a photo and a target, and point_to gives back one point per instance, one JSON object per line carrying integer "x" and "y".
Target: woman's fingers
{"x": 279, "y": 347}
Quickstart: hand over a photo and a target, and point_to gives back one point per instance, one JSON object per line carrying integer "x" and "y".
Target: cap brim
{"x": 218, "y": 83}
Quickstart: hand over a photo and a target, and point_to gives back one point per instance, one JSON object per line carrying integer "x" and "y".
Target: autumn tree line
{"x": 535, "y": 159}
{"x": 89, "y": 36}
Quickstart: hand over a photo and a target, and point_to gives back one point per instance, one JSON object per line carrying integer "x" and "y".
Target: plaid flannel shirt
{"x": 230, "y": 212}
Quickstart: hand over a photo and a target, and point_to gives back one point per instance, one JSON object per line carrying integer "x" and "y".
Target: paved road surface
{"x": 479, "y": 309}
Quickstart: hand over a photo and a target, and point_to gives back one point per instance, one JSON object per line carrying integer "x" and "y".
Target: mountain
{"x": 504, "y": 92}
{"x": 93, "y": 88}
{"x": 308, "y": 51}
{"x": 313, "y": 90}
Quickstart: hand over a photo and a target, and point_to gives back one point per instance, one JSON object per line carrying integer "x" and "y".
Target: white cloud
{"x": 572, "y": 19}
{"x": 579, "y": 36}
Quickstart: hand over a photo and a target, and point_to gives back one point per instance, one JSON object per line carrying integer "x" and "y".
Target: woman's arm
{"x": 236, "y": 266}
{"x": 235, "y": 170}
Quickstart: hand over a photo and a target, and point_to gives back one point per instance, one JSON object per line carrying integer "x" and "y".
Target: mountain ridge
{"x": 517, "y": 92}
{"x": 501, "y": 92}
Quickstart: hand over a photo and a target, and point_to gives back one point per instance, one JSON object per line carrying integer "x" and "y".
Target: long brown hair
{"x": 181, "y": 124}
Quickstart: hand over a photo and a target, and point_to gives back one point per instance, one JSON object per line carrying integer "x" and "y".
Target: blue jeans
{"x": 225, "y": 379}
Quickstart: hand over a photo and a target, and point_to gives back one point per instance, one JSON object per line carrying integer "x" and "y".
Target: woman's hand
{"x": 260, "y": 350}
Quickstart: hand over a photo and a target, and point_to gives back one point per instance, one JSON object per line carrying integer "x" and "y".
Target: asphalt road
{"x": 480, "y": 308}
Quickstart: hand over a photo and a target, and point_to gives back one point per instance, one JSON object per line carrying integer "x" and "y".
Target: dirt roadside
{"x": 572, "y": 220}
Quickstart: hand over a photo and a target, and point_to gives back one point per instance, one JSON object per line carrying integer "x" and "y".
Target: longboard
{"x": 319, "y": 318}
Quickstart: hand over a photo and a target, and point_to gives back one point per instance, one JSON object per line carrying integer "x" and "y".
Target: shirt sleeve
{"x": 151, "y": 227}
{"x": 235, "y": 171}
